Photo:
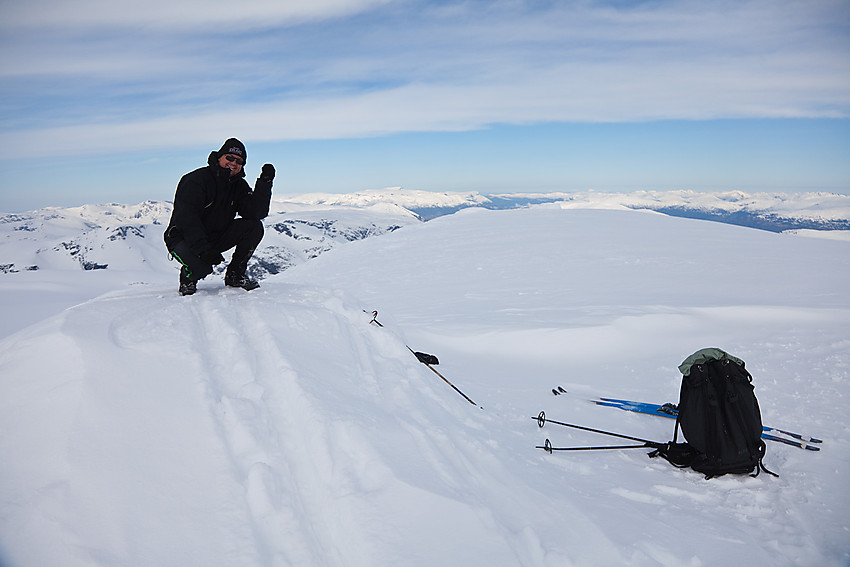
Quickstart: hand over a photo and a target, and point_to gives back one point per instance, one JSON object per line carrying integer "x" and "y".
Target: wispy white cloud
{"x": 177, "y": 14}
{"x": 121, "y": 76}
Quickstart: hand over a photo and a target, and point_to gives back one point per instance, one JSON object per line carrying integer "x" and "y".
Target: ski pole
{"x": 549, "y": 448}
{"x": 422, "y": 360}
{"x": 541, "y": 421}
{"x": 434, "y": 370}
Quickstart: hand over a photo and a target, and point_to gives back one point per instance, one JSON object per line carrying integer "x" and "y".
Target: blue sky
{"x": 112, "y": 101}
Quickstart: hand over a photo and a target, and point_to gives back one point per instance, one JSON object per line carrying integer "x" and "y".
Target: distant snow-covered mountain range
{"x": 768, "y": 211}
{"x": 129, "y": 237}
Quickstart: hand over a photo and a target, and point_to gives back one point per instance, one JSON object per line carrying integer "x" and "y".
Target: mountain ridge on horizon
{"x": 301, "y": 227}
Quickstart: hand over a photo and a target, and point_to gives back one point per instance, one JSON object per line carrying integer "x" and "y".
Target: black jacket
{"x": 208, "y": 199}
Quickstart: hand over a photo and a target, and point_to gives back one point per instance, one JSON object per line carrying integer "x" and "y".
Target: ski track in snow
{"x": 235, "y": 356}
{"x": 280, "y": 444}
{"x": 308, "y": 477}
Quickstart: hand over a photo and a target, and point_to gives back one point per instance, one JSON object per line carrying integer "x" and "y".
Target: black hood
{"x": 212, "y": 161}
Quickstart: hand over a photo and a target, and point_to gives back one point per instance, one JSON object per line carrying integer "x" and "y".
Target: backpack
{"x": 719, "y": 417}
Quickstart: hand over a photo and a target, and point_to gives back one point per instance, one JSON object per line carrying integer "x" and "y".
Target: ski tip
{"x": 561, "y": 390}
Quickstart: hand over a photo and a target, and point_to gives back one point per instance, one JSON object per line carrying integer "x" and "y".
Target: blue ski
{"x": 670, "y": 411}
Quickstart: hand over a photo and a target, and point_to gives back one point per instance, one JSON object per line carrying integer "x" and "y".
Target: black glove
{"x": 212, "y": 257}
{"x": 268, "y": 172}
{"x": 426, "y": 358}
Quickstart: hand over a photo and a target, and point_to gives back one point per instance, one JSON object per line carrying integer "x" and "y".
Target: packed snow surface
{"x": 285, "y": 427}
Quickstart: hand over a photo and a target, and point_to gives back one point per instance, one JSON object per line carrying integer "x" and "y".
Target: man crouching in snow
{"x": 204, "y": 224}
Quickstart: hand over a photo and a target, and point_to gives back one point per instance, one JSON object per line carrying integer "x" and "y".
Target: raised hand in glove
{"x": 212, "y": 257}
{"x": 268, "y": 172}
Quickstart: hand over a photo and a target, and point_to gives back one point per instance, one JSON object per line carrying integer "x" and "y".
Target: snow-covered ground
{"x": 281, "y": 427}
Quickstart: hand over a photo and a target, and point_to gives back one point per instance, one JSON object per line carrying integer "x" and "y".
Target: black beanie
{"x": 235, "y": 147}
